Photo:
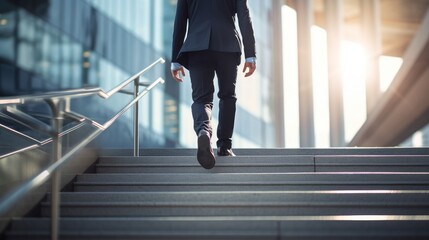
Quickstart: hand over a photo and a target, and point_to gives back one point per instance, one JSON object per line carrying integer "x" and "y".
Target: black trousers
{"x": 203, "y": 66}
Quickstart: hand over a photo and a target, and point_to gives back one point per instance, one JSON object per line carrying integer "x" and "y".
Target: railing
{"x": 59, "y": 103}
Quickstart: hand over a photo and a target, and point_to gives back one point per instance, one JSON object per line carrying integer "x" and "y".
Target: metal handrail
{"x": 131, "y": 79}
{"x": 44, "y": 175}
{"x": 73, "y": 93}
{"x": 61, "y": 109}
{"x": 37, "y": 143}
{"x": 80, "y": 92}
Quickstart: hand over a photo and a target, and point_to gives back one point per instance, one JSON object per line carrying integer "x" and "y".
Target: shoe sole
{"x": 220, "y": 155}
{"x": 205, "y": 155}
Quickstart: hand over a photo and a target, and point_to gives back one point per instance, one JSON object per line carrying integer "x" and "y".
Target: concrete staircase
{"x": 260, "y": 194}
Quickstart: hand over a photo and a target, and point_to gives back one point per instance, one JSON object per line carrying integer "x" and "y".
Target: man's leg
{"x": 201, "y": 71}
{"x": 226, "y": 71}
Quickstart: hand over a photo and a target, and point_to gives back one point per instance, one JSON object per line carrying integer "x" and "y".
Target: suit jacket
{"x": 211, "y": 26}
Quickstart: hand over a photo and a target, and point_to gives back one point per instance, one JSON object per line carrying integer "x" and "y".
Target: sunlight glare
{"x": 320, "y": 86}
{"x": 353, "y": 62}
{"x": 353, "y": 73}
{"x": 389, "y": 67}
{"x": 353, "y": 70}
{"x": 290, "y": 76}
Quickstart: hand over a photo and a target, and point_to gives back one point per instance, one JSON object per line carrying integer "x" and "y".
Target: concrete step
{"x": 371, "y": 163}
{"x": 196, "y": 168}
{"x": 273, "y": 151}
{"x": 192, "y": 160}
{"x": 252, "y": 203}
{"x": 189, "y": 164}
{"x": 250, "y": 182}
{"x": 290, "y": 163}
{"x": 292, "y": 227}
{"x": 335, "y": 193}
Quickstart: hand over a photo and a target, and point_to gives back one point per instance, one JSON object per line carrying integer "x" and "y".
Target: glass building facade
{"x": 49, "y": 45}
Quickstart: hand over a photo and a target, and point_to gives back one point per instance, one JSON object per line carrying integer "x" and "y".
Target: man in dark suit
{"x": 212, "y": 45}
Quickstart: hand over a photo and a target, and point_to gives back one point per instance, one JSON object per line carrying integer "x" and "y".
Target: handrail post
{"x": 57, "y": 107}
{"x": 136, "y": 117}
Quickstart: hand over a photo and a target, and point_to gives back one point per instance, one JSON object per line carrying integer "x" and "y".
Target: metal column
{"x": 57, "y": 106}
{"x": 333, "y": 16}
{"x": 136, "y": 132}
{"x": 370, "y": 13}
{"x": 306, "y": 114}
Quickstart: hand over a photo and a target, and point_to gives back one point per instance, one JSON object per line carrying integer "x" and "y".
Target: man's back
{"x": 212, "y": 27}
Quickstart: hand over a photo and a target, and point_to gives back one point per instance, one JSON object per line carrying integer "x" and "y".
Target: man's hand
{"x": 178, "y": 74}
{"x": 249, "y": 68}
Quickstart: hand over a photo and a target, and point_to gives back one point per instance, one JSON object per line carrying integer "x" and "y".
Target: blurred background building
{"x": 329, "y": 73}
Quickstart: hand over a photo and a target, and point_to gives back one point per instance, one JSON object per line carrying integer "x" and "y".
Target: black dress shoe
{"x": 205, "y": 155}
{"x": 225, "y": 152}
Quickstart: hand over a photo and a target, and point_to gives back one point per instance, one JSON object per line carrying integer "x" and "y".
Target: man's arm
{"x": 246, "y": 29}
{"x": 249, "y": 66}
{"x": 180, "y": 24}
